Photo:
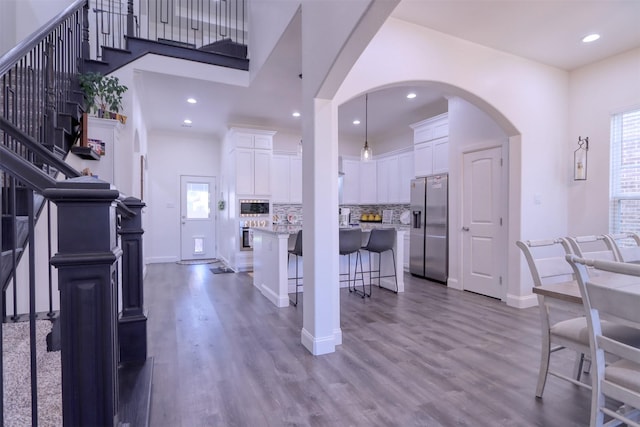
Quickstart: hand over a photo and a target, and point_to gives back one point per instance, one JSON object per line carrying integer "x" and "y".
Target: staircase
{"x": 41, "y": 109}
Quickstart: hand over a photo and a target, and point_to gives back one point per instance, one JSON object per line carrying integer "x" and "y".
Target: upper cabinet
{"x": 251, "y": 151}
{"x": 368, "y": 182}
{"x": 351, "y": 182}
{"x": 431, "y": 145}
{"x": 286, "y": 179}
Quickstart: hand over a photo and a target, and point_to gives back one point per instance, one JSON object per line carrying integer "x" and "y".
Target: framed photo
{"x": 97, "y": 146}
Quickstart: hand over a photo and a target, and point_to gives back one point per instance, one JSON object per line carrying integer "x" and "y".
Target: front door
{"x": 197, "y": 217}
{"x": 482, "y": 222}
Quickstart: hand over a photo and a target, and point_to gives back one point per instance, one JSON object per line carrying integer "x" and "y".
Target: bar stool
{"x": 350, "y": 242}
{"x": 297, "y": 251}
{"x": 381, "y": 240}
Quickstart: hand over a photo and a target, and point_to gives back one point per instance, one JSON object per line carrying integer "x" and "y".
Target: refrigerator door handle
{"x": 417, "y": 219}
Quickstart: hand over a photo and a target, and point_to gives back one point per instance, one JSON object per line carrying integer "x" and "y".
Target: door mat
{"x": 197, "y": 261}
{"x": 221, "y": 270}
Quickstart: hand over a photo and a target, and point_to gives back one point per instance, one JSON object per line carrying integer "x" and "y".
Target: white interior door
{"x": 197, "y": 217}
{"x": 482, "y": 222}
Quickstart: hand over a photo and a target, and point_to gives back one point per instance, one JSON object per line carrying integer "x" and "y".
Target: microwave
{"x": 253, "y": 207}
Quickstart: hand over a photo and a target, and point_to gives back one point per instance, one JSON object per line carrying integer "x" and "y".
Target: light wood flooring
{"x": 225, "y": 356}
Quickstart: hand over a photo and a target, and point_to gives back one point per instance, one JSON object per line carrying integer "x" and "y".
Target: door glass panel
{"x": 197, "y": 200}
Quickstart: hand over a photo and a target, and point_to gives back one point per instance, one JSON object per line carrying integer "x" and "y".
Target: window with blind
{"x": 625, "y": 172}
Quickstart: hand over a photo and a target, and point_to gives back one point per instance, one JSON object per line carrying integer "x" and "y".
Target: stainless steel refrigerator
{"x": 428, "y": 246}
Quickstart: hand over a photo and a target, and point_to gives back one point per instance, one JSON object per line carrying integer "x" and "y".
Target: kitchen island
{"x": 271, "y": 268}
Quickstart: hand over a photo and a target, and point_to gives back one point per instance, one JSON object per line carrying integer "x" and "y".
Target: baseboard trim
{"x": 454, "y": 284}
{"x": 525, "y": 301}
{"x": 161, "y": 259}
{"x": 318, "y": 346}
{"x": 273, "y": 297}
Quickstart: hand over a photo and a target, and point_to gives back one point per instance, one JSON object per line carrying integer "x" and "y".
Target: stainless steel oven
{"x": 246, "y": 235}
{"x": 246, "y": 243}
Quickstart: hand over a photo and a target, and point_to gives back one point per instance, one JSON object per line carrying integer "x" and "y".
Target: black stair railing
{"x": 39, "y": 118}
{"x": 215, "y": 26}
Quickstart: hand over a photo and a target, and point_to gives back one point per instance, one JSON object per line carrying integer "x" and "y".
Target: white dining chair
{"x": 561, "y": 328}
{"x": 593, "y": 247}
{"x": 620, "y": 379}
{"x": 627, "y": 246}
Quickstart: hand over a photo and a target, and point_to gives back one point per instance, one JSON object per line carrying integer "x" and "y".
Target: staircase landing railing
{"x": 197, "y": 24}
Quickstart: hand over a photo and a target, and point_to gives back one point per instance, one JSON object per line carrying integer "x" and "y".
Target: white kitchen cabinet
{"x": 251, "y": 149}
{"x": 441, "y": 155}
{"x": 388, "y": 180}
{"x": 431, "y": 145}
{"x": 253, "y": 172}
{"x": 280, "y": 179}
{"x": 250, "y": 138}
{"x": 368, "y": 183}
{"x": 295, "y": 179}
{"x": 405, "y": 166}
{"x": 286, "y": 179}
{"x": 262, "y": 172}
{"x": 423, "y": 159}
{"x": 351, "y": 182}
{"x": 245, "y": 165}
{"x": 383, "y": 180}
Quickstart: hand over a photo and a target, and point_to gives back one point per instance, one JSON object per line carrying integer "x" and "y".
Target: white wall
{"x": 286, "y": 141}
{"x": 169, "y": 156}
{"x": 32, "y": 14}
{"x": 7, "y": 25}
{"x": 597, "y": 91}
{"x": 528, "y": 100}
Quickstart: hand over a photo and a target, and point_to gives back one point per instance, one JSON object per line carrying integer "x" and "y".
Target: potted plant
{"x": 103, "y": 95}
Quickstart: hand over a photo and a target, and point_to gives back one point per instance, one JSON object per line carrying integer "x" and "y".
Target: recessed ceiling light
{"x": 411, "y": 95}
{"x": 591, "y": 38}
{"x": 356, "y": 122}
{"x": 187, "y": 122}
{"x": 296, "y": 114}
{"x": 192, "y": 100}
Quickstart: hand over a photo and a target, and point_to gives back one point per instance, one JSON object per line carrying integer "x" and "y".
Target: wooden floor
{"x": 225, "y": 356}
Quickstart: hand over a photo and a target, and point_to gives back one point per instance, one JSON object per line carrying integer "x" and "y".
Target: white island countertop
{"x": 271, "y": 262}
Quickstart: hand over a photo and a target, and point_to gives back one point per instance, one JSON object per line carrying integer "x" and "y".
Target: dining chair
{"x": 593, "y": 247}
{"x": 297, "y": 252}
{"x": 620, "y": 379}
{"x": 627, "y": 246}
{"x": 561, "y": 328}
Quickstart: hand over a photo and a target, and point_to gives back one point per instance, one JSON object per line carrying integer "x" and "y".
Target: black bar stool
{"x": 297, "y": 251}
{"x": 350, "y": 243}
{"x": 381, "y": 240}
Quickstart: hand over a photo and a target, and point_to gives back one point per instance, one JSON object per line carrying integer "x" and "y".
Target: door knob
{"x": 184, "y": 222}
{"x": 465, "y": 228}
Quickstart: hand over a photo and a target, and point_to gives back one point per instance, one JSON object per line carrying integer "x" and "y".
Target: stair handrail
{"x": 9, "y": 59}
{"x": 47, "y": 156}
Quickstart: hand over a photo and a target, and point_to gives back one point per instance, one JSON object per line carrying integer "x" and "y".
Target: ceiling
{"x": 545, "y": 31}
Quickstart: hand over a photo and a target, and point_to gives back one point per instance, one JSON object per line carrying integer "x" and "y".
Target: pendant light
{"x": 366, "y": 154}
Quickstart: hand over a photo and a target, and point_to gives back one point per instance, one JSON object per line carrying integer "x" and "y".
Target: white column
{"x": 321, "y": 319}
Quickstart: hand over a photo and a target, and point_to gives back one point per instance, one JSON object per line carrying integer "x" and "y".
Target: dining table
{"x": 568, "y": 293}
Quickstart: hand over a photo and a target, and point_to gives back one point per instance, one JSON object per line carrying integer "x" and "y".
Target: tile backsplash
{"x": 283, "y": 210}
{"x": 358, "y": 210}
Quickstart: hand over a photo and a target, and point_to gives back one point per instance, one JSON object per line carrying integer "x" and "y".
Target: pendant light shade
{"x": 366, "y": 154}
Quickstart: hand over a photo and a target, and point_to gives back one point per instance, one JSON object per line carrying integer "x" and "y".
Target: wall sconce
{"x": 580, "y": 159}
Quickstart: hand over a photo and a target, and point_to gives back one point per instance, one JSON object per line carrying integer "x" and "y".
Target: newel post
{"x": 132, "y": 325}
{"x": 86, "y": 263}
